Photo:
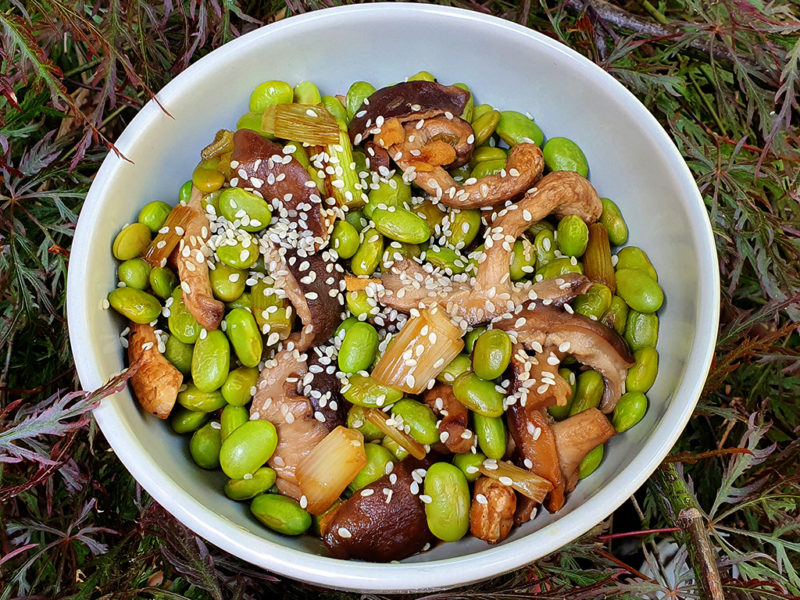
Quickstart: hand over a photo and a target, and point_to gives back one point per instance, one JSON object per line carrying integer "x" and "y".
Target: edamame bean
{"x": 540, "y": 226}
{"x": 492, "y": 354}
{"x": 397, "y": 251}
{"x": 433, "y": 214}
{"x": 131, "y": 242}
{"x": 211, "y": 361}
{"x": 135, "y": 273}
{"x": 252, "y": 213}
{"x": 417, "y": 420}
{"x": 614, "y": 223}
{"x": 460, "y": 364}
{"x": 204, "y": 446}
{"x": 270, "y": 93}
{"x": 241, "y": 253}
{"x": 560, "y": 412}
{"x": 245, "y": 300}
{"x": 617, "y": 315}
{"x": 544, "y": 243}
{"x": 153, "y": 214}
{"x": 242, "y": 331}
{"x": 467, "y": 112}
{"x": 491, "y": 434}
{"x": 631, "y": 257}
{"x": 447, "y": 259}
{"x": 358, "y": 92}
{"x": 247, "y": 448}
{"x": 197, "y": 400}
{"x": 523, "y": 260}
{"x": 162, "y": 281}
{"x": 281, "y": 514}
{"x": 135, "y": 305}
{"x": 590, "y": 462}
{"x": 358, "y": 348}
{"x": 393, "y": 193}
{"x": 334, "y": 106}
{"x": 472, "y": 337}
{"x": 368, "y": 255}
{"x": 377, "y": 459}
{"x": 360, "y": 304}
{"x": 484, "y": 153}
{"x": 364, "y": 391}
{"x": 562, "y": 154}
{"x": 179, "y": 354}
{"x": 448, "y": 511}
{"x": 470, "y": 463}
{"x": 639, "y": 291}
{"x": 463, "y": 227}
{"x": 356, "y": 219}
{"x": 641, "y": 330}
{"x": 306, "y": 92}
{"x": 239, "y": 386}
{"x": 357, "y": 420}
{"x": 185, "y": 191}
{"x": 484, "y": 126}
{"x": 245, "y": 489}
{"x": 207, "y": 179}
{"x": 186, "y": 421}
{"x": 181, "y": 323}
{"x": 642, "y": 375}
{"x": 588, "y": 392}
{"x": 573, "y": 235}
{"x": 480, "y": 110}
{"x": 396, "y": 449}
{"x": 210, "y": 202}
{"x": 230, "y": 418}
{"x": 594, "y": 303}
{"x": 629, "y": 411}
{"x": 478, "y": 395}
{"x": 487, "y": 167}
{"x": 422, "y": 76}
{"x": 344, "y": 239}
{"x": 401, "y": 225}
{"x": 559, "y": 266}
{"x": 301, "y": 155}
{"x": 227, "y": 282}
{"x": 345, "y": 326}
{"x": 252, "y": 121}
{"x": 515, "y": 128}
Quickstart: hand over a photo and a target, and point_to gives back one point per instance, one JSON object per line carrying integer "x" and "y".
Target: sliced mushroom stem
{"x": 578, "y": 435}
{"x": 491, "y": 514}
{"x": 156, "y": 382}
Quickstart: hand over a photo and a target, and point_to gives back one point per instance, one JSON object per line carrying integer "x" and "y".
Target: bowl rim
{"x": 416, "y": 576}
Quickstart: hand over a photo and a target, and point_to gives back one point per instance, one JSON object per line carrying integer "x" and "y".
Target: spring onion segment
{"x": 307, "y": 124}
{"x": 597, "y": 259}
{"x": 526, "y": 483}
{"x": 383, "y": 422}
{"x": 164, "y": 243}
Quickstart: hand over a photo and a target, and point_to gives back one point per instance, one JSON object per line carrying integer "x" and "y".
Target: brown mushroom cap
{"x": 454, "y": 419}
{"x": 262, "y": 167}
{"x": 156, "y": 382}
{"x": 382, "y": 522}
{"x": 455, "y": 132}
{"x": 578, "y": 435}
{"x": 412, "y": 100}
{"x": 323, "y": 388}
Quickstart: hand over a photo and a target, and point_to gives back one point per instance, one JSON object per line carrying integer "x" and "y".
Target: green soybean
{"x": 230, "y": 418}
{"x": 573, "y": 236}
{"x": 207, "y": 178}
{"x": 472, "y": 337}
{"x": 270, "y": 93}
{"x": 590, "y": 462}
{"x": 162, "y": 281}
{"x": 562, "y": 154}
{"x": 245, "y": 300}
{"x": 359, "y": 303}
{"x": 460, "y": 364}
{"x": 204, "y": 446}
{"x": 422, "y": 76}
{"x": 345, "y": 326}
{"x": 356, "y": 219}
{"x": 485, "y": 125}
{"x": 485, "y": 153}
{"x": 617, "y": 315}
{"x": 358, "y": 348}
{"x": 197, "y": 400}
{"x": 614, "y": 223}
{"x": 419, "y": 419}
{"x": 544, "y": 242}
{"x": 252, "y": 121}
{"x": 447, "y": 259}
{"x": 491, "y": 434}
{"x": 154, "y": 214}
{"x": 397, "y": 251}
{"x": 242, "y": 331}
{"x": 356, "y": 419}
{"x": 594, "y": 303}
{"x": 631, "y": 257}
{"x": 301, "y": 155}
{"x": 492, "y": 354}
{"x": 358, "y": 92}
{"x": 560, "y": 412}
{"x": 392, "y": 193}
{"x": 281, "y": 514}
{"x": 515, "y": 128}
{"x": 306, "y": 92}
{"x": 447, "y": 513}
{"x": 181, "y": 323}
{"x": 470, "y": 463}
{"x": 241, "y": 253}
{"x": 239, "y": 386}
{"x": 523, "y": 260}
{"x": 364, "y": 391}
{"x": 478, "y": 395}
{"x": 377, "y": 459}
{"x": 135, "y": 305}
{"x": 334, "y": 106}
{"x": 245, "y": 489}
{"x": 401, "y": 225}
{"x": 559, "y": 266}
{"x": 227, "y": 282}
{"x": 480, "y": 110}
{"x": 211, "y": 201}
{"x": 642, "y": 375}
{"x": 179, "y": 354}
{"x": 641, "y": 330}
{"x": 344, "y": 239}
{"x": 467, "y": 112}
{"x": 211, "y": 361}
{"x": 134, "y": 273}
{"x": 252, "y": 213}
{"x": 588, "y": 392}
{"x": 185, "y": 191}
{"x": 540, "y": 226}
{"x": 639, "y": 290}
{"x": 131, "y": 242}
{"x": 630, "y": 409}
{"x": 433, "y": 214}
{"x": 368, "y": 255}
{"x": 247, "y": 448}
{"x": 487, "y": 167}
{"x": 183, "y": 420}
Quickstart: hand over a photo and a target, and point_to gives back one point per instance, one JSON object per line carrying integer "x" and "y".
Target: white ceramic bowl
{"x": 632, "y": 161}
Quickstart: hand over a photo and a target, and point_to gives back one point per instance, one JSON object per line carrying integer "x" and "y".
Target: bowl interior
{"x": 631, "y": 160}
